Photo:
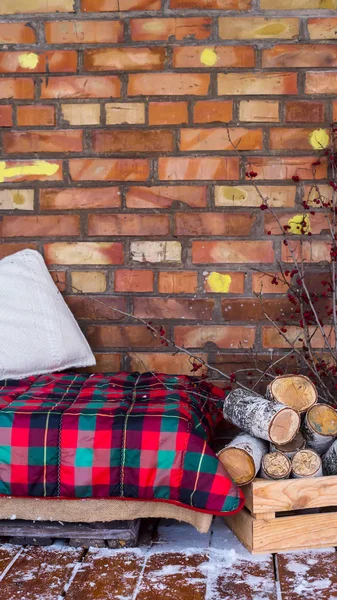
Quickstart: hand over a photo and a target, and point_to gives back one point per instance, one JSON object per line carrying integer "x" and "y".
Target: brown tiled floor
{"x": 174, "y": 563}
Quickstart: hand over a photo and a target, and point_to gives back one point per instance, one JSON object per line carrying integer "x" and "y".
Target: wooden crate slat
{"x": 291, "y": 494}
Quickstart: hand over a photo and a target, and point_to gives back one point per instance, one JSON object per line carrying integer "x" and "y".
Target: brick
{"x": 271, "y": 338}
{"x": 6, "y": 119}
{"x": 225, "y": 336}
{"x": 316, "y": 224}
{"x": 282, "y": 138}
{"x": 232, "y": 252}
{"x": 321, "y": 82}
{"x": 310, "y": 193}
{"x": 88, "y": 281}
{"x": 259, "y": 111}
{"x": 300, "y": 55}
{"x": 80, "y": 87}
{"x": 334, "y": 115}
{"x": 168, "y": 113}
{"x": 40, "y": 226}
{"x": 173, "y": 308}
{"x": 126, "y": 224}
{"x": 299, "y": 5}
{"x": 31, "y": 170}
{"x": 220, "y": 139}
{"x": 31, "y": 62}
{"x": 152, "y": 29}
{"x": 224, "y": 282}
{"x": 260, "y": 28}
{"x": 88, "y": 309}
{"x": 284, "y": 167}
{"x": 166, "y": 197}
{"x": 122, "y": 336}
{"x": 168, "y": 84}
{"x": 130, "y": 280}
{"x": 197, "y": 224}
{"x": 251, "y": 310}
{"x": 17, "y": 199}
{"x": 248, "y": 195}
{"x": 116, "y": 6}
{"x": 81, "y": 114}
{"x": 124, "y": 59}
{"x": 178, "y": 282}
{"x": 136, "y": 140}
{"x": 35, "y": 115}
{"x": 304, "y": 112}
{"x": 212, "y": 4}
{"x": 210, "y": 167}
{"x": 212, "y": 111}
{"x": 42, "y": 141}
{"x": 13, "y": 7}
{"x": 262, "y": 283}
{"x": 21, "y": 89}
{"x": 79, "y": 198}
{"x": 156, "y": 252}
{"x": 16, "y": 33}
{"x": 104, "y": 169}
{"x": 164, "y": 362}
{"x": 60, "y": 280}
{"x": 84, "y": 253}
{"x": 312, "y": 252}
{"x": 186, "y": 57}
{"x": 132, "y": 113}
{"x": 230, "y": 84}
{"x": 84, "y": 32}
{"x": 106, "y": 363}
{"x": 322, "y": 29}
{"x": 10, "y": 248}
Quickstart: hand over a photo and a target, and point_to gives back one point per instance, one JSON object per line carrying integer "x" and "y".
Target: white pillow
{"x": 38, "y": 333}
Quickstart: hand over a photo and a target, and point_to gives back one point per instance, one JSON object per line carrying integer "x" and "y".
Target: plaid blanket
{"x": 126, "y": 436}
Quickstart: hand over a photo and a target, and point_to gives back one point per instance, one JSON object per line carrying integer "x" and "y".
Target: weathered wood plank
{"x": 106, "y": 575}
{"x": 174, "y": 575}
{"x": 39, "y": 573}
{"x": 242, "y": 525}
{"x": 310, "y": 575}
{"x": 292, "y": 494}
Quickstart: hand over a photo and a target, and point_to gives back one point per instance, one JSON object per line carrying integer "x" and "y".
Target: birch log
{"x": 295, "y": 391}
{"x": 290, "y": 449}
{"x": 275, "y": 465}
{"x": 242, "y": 458}
{"x": 320, "y": 427}
{"x": 306, "y": 463}
{"x": 260, "y": 417}
{"x": 329, "y": 460}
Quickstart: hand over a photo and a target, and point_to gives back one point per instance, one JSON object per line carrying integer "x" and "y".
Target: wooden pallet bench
{"x": 292, "y": 514}
{"x": 116, "y": 534}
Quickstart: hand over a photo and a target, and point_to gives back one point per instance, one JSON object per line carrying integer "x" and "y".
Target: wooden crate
{"x": 265, "y": 525}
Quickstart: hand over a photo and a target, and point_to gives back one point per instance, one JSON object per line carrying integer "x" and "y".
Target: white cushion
{"x": 38, "y": 333}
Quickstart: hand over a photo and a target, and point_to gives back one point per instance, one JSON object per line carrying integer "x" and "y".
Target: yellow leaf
{"x": 319, "y": 138}
{"x": 208, "y": 57}
{"x": 299, "y": 223}
{"x": 219, "y": 283}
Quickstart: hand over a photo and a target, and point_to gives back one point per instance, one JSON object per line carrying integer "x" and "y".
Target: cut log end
{"x": 295, "y": 391}
{"x": 238, "y": 464}
{"x": 306, "y": 463}
{"x": 284, "y": 426}
{"x": 276, "y": 465}
{"x": 322, "y": 418}
{"x": 298, "y": 443}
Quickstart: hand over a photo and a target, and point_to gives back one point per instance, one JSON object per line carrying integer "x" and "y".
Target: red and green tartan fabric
{"x": 129, "y": 436}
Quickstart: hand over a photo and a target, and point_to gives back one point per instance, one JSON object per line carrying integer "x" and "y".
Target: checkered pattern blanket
{"x": 126, "y": 436}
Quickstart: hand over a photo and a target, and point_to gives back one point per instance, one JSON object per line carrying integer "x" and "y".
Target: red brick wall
{"x": 116, "y": 162}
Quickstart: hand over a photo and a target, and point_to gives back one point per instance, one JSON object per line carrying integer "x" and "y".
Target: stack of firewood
{"x": 287, "y": 433}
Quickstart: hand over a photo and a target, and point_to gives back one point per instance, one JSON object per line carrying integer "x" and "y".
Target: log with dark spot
{"x": 295, "y": 391}
{"x": 329, "y": 460}
{"x": 262, "y": 418}
{"x": 275, "y": 465}
{"x": 298, "y": 443}
{"x": 306, "y": 463}
{"x": 320, "y": 427}
{"x": 242, "y": 458}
